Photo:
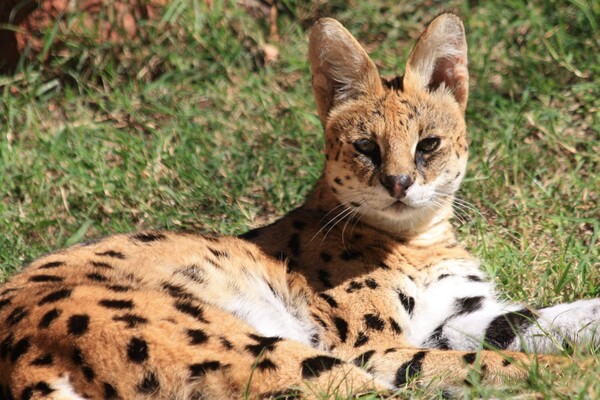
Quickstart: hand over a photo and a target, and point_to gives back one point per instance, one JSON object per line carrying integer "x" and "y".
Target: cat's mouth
{"x": 404, "y": 205}
{"x": 397, "y": 205}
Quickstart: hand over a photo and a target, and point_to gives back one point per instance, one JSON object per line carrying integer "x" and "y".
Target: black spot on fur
{"x": 506, "y": 362}
{"x": 326, "y": 257}
{"x": 77, "y": 325}
{"x": 191, "y": 309}
{"x": 78, "y": 359}
{"x": 338, "y": 181}
{"x": 110, "y": 392}
{"x": 44, "y": 360}
{"x": 319, "y": 320}
{"x": 263, "y": 343}
{"x": 294, "y": 244}
{"x": 177, "y": 291}
{"x": 7, "y": 345}
{"x": 137, "y": 350}
{"x": 337, "y": 154}
{"x": 349, "y": 255}
{"x": 364, "y": 358}
{"x": 361, "y": 339}
{"x": 149, "y": 384}
{"x": 131, "y": 320}
{"x": 16, "y": 316}
{"x": 19, "y": 349}
{"x": 395, "y": 327}
{"x": 113, "y": 254}
{"x": 50, "y": 265}
{"x": 147, "y": 237}
{"x": 297, "y": 224}
{"x": 213, "y": 262}
{"x": 55, "y": 296}
{"x": 218, "y": 253}
{"x": 265, "y": 365}
{"x": 330, "y": 300}
{"x": 503, "y": 329}
{"x": 354, "y": 286}
{"x": 467, "y": 305}
{"x": 474, "y": 278}
{"x": 470, "y": 358}
{"x": 315, "y": 340}
{"x": 197, "y": 336}
{"x": 437, "y": 339}
{"x": 118, "y": 288}
{"x": 374, "y": 322}
{"x": 7, "y": 291}
{"x": 325, "y": 278}
{"x": 96, "y": 277}
{"x": 383, "y": 265}
{"x": 201, "y": 369}
{"x": 371, "y": 283}
{"x": 210, "y": 238}
{"x": 355, "y": 204}
{"x": 409, "y": 369}
{"x": 315, "y": 366}
{"x": 43, "y": 388}
{"x": 226, "y": 343}
{"x": 100, "y": 264}
{"x": 117, "y": 304}
{"x": 407, "y": 302}
{"x": 4, "y": 303}
{"x": 27, "y": 393}
{"x": 390, "y": 350}
{"x": 342, "y": 328}
{"x": 45, "y": 278}
{"x": 443, "y": 276}
{"x": 192, "y": 272}
{"x": 48, "y": 318}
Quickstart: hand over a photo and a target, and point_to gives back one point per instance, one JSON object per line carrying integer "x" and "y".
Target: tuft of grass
{"x": 189, "y": 128}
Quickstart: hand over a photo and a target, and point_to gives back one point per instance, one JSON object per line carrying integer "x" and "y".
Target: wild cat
{"x": 364, "y": 287}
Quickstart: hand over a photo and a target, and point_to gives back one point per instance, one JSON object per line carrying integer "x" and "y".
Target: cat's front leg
{"x": 497, "y": 325}
{"x": 461, "y": 311}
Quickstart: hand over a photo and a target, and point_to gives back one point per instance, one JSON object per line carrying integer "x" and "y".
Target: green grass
{"x": 188, "y": 129}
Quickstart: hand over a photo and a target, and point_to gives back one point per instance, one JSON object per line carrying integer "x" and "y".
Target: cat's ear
{"x": 439, "y": 59}
{"x": 341, "y": 69}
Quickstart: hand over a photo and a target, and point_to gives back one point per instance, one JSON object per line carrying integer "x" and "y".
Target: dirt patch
{"x": 115, "y": 21}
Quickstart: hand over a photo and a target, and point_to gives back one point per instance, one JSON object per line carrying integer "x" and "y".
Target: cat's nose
{"x": 397, "y": 185}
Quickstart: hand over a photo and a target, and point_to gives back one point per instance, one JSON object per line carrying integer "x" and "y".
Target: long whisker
{"x": 332, "y": 220}
{"x": 342, "y": 216}
{"x": 359, "y": 216}
{"x": 332, "y": 210}
{"x": 348, "y": 220}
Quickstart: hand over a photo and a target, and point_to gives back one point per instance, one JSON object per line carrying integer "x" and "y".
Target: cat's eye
{"x": 367, "y": 147}
{"x": 429, "y": 144}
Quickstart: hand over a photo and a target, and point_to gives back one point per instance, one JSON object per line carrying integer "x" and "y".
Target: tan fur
{"x": 138, "y": 314}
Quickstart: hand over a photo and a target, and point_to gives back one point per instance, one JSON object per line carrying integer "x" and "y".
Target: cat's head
{"x": 396, "y": 150}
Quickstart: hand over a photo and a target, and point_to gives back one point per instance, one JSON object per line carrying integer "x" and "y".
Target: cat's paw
{"x": 564, "y": 325}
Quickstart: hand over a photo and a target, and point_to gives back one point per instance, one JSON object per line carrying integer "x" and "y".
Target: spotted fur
{"x": 362, "y": 288}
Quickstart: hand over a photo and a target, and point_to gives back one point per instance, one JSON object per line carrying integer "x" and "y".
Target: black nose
{"x": 397, "y": 185}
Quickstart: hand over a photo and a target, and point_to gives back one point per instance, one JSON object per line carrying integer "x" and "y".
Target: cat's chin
{"x": 398, "y": 217}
